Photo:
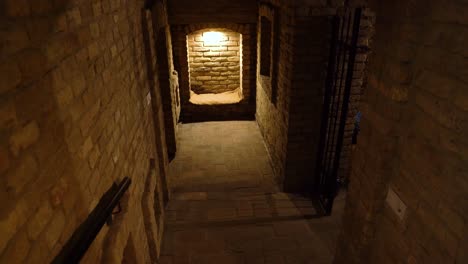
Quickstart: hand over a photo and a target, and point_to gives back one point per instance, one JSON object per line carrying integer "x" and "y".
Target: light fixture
{"x": 213, "y": 37}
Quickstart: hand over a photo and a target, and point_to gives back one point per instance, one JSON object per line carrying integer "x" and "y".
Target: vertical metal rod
{"x": 338, "y": 92}
{"x": 328, "y": 154}
{"x": 344, "y": 110}
{"x": 326, "y": 103}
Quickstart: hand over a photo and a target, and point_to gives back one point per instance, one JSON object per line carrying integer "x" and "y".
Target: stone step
{"x": 242, "y": 206}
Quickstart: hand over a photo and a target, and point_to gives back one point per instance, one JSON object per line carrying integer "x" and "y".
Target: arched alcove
{"x": 215, "y": 66}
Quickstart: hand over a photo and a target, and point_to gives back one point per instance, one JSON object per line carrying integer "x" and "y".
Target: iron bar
{"x": 84, "y": 235}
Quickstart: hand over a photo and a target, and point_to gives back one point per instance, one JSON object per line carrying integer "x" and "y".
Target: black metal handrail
{"x": 84, "y": 235}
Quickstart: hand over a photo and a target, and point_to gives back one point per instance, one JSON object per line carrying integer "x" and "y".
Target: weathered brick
{"x": 39, "y": 221}
{"x": 17, "y": 248}
{"x": 24, "y": 137}
{"x": 94, "y": 157}
{"x": 74, "y": 16}
{"x": 54, "y": 229}
{"x": 203, "y": 78}
{"x": 211, "y": 54}
{"x": 26, "y": 171}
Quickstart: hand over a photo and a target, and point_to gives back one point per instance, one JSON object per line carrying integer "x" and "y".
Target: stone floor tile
{"x": 226, "y": 207}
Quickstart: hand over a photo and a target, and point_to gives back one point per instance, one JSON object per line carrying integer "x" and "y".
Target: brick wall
{"x": 272, "y": 112}
{"x": 246, "y": 107}
{"x": 76, "y": 114}
{"x": 412, "y": 140}
{"x": 290, "y": 100}
{"x": 214, "y": 66}
{"x": 312, "y": 41}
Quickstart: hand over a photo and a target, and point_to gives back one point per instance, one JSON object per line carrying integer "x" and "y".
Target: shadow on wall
{"x": 61, "y": 145}
{"x": 38, "y": 148}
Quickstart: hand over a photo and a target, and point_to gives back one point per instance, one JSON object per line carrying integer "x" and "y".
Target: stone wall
{"x": 214, "y": 66}
{"x": 412, "y": 141}
{"x": 246, "y": 107}
{"x": 77, "y": 112}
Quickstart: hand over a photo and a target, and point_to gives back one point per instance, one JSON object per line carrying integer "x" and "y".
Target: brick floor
{"x": 220, "y": 213}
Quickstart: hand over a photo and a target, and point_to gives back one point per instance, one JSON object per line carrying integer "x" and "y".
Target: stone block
{"x": 212, "y": 54}
{"x": 39, "y": 253}
{"x": 17, "y": 248}
{"x": 40, "y": 220}
{"x": 228, "y": 53}
{"x": 26, "y": 171}
{"x": 74, "y": 17}
{"x": 203, "y": 59}
{"x": 203, "y": 78}
{"x": 200, "y": 54}
{"x": 200, "y": 49}
{"x": 86, "y": 147}
{"x": 88, "y": 118}
{"x": 220, "y": 69}
{"x": 54, "y": 229}
{"x": 94, "y": 156}
{"x": 24, "y": 137}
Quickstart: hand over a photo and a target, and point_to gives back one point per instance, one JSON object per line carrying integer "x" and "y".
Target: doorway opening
{"x": 215, "y": 66}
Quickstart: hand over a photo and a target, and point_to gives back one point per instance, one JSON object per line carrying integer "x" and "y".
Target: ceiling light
{"x": 213, "y": 37}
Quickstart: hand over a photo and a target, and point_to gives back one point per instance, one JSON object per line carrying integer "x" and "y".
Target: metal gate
{"x": 336, "y": 101}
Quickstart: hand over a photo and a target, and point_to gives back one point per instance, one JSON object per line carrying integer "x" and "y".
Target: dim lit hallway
{"x": 225, "y": 207}
{"x": 218, "y": 156}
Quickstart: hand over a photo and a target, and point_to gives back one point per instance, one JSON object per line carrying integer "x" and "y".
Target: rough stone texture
{"x": 412, "y": 140}
{"x": 214, "y": 67}
{"x": 76, "y": 115}
{"x": 243, "y": 110}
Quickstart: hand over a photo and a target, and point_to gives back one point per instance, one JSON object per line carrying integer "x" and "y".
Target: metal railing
{"x": 84, "y": 235}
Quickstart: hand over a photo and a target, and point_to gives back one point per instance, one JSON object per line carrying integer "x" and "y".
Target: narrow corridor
{"x": 226, "y": 209}
{"x": 220, "y": 156}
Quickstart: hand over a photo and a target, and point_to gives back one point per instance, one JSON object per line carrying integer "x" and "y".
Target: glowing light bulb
{"x": 213, "y": 37}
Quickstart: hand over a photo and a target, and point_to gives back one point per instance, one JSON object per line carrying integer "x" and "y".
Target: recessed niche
{"x": 215, "y": 66}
